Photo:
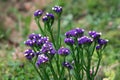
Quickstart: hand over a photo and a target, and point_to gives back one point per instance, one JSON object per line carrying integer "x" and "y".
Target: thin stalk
{"x": 37, "y": 70}
{"x": 88, "y": 67}
{"x": 89, "y": 58}
{"x": 69, "y": 74}
{"x": 38, "y": 23}
{"x": 51, "y": 34}
{"x": 53, "y": 71}
{"x": 61, "y": 75}
{"x": 58, "y": 35}
{"x": 98, "y": 64}
{"x": 46, "y": 74}
{"x": 77, "y": 72}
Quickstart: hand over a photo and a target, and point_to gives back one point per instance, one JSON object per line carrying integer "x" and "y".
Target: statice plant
{"x": 52, "y": 60}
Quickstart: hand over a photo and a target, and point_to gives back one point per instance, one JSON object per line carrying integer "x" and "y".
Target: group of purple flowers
{"x": 43, "y": 49}
{"x": 49, "y": 17}
{"x": 77, "y": 35}
{"x": 44, "y": 46}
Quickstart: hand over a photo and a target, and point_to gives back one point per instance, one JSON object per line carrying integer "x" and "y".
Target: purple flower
{"x": 67, "y": 65}
{"x": 94, "y": 34}
{"x": 42, "y": 40}
{"x": 50, "y": 16}
{"x": 48, "y": 48}
{"x": 29, "y": 54}
{"x": 41, "y": 60}
{"x": 57, "y": 9}
{"x": 98, "y": 47}
{"x": 63, "y": 51}
{"x": 45, "y": 19}
{"x": 34, "y": 36}
{"x": 69, "y": 41}
{"x": 38, "y": 13}
{"x": 68, "y": 34}
{"x": 102, "y": 41}
{"x": 80, "y": 32}
{"x": 75, "y": 33}
{"x": 84, "y": 40}
{"x": 30, "y": 42}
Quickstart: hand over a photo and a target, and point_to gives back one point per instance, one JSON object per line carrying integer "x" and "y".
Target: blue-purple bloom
{"x": 38, "y": 13}
{"x": 45, "y": 19}
{"x": 84, "y": 40}
{"x": 48, "y": 48}
{"x": 94, "y": 34}
{"x": 102, "y": 41}
{"x": 75, "y": 33}
{"x": 63, "y": 51}
{"x": 29, "y": 54}
{"x": 30, "y": 42}
{"x": 57, "y": 9}
{"x": 67, "y": 65}
{"x": 36, "y": 39}
{"x": 98, "y": 47}
{"x": 41, "y": 60}
{"x": 34, "y": 36}
{"x": 69, "y": 41}
{"x": 42, "y": 40}
{"x": 50, "y": 16}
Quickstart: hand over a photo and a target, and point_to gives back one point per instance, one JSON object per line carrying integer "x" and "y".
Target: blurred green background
{"x": 17, "y": 21}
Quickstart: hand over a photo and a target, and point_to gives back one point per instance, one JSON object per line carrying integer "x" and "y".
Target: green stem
{"x": 37, "y": 70}
{"x": 46, "y": 74}
{"x": 38, "y": 23}
{"x": 69, "y": 74}
{"x": 97, "y": 67}
{"x": 51, "y": 34}
{"x": 77, "y": 72}
{"x": 89, "y": 58}
{"x": 53, "y": 71}
{"x": 58, "y": 35}
{"x": 52, "y": 38}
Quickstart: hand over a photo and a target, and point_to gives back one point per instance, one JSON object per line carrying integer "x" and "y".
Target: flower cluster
{"x": 57, "y": 9}
{"x": 29, "y": 54}
{"x": 97, "y": 38}
{"x": 41, "y": 59}
{"x": 94, "y": 34}
{"x": 63, "y": 51}
{"x": 75, "y": 33}
{"x": 48, "y": 48}
{"x": 69, "y": 41}
{"x": 67, "y": 65}
{"x": 36, "y": 40}
{"x": 38, "y": 13}
{"x": 84, "y": 40}
{"x": 41, "y": 46}
{"x": 48, "y": 18}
